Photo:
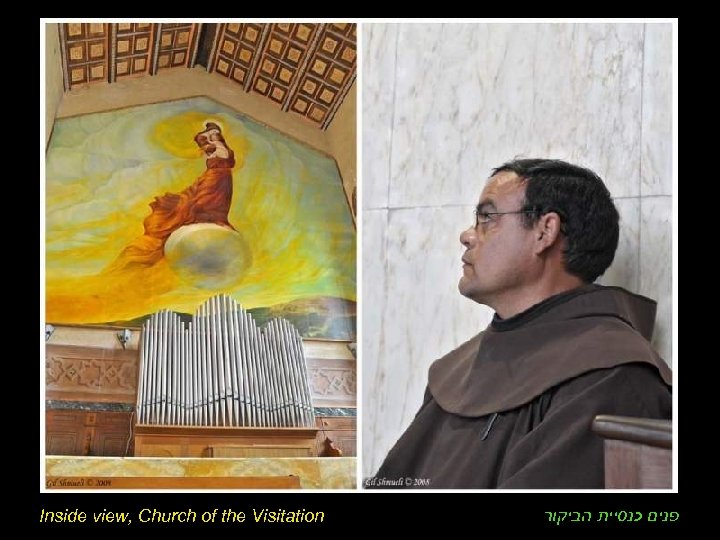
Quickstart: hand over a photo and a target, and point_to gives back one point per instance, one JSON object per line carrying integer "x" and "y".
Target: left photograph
{"x": 199, "y": 255}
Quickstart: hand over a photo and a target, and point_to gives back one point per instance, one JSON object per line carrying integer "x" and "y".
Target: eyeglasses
{"x": 483, "y": 218}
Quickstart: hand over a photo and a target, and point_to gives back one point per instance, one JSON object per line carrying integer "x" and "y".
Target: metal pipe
{"x": 229, "y": 375}
{"x": 222, "y": 370}
{"x": 180, "y": 362}
{"x": 255, "y": 378}
{"x": 244, "y": 369}
{"x": 243, "y": 345}
{"x": 234, "y": 378}
{"x": 139, "y": 404}
{"x": 260, "y": 383}
{"x": 284, "y": 367}
{"x": 195, "y": 381}
{"x": 289, "y": 356}
{"x": 247, "y": 339}
{"x": 144, "y": 373}
{"x": 163, "y": 369}
{"x": 153, "y": 416}
{"x": 204, "y": 368}
{"x": 273, "y": 371}
{"x": 217, "y": 381}
{"x": 239, "y": 368}
{"x": 301, "y": 376}
{"x": 268, "y": 384}
{"x": 267, "y": 393}
{"x": 274, "y": 364}
{"x": 183, "y": 375}
{"x": 172, "y": 369}
{"x": 209, "y": 373}
{"x": 297, "y": 348}
{"x": 292, "y": 375}
{"x": 187, "y": 378}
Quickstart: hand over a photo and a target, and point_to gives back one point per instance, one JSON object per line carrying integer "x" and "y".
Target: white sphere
{"x": 208, "y": 256}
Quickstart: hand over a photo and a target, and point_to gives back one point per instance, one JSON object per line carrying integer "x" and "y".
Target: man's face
{"x": 498, "y": 254}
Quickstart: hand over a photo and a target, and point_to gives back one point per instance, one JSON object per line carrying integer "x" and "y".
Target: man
{"x": 512, "y": 407}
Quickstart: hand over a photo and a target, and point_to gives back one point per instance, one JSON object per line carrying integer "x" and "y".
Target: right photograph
{"x": 517, "y": 287}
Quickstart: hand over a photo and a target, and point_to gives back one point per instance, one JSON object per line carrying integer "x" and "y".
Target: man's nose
{"x": 467, "y": 237}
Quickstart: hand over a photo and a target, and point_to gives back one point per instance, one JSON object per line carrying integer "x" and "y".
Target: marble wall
{"x": 445, "y": 103}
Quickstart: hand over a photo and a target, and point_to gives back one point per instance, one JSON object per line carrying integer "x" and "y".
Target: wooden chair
{"x": 638, "y": 451}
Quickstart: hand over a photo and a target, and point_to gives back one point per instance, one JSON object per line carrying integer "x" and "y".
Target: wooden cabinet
{"x": 336, "y": 433}
{"x": 226, "y": 442}
{"x": 87, "y": 433}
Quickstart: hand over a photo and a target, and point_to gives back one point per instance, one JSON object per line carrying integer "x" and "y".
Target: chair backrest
{"x": 638, "y": 451}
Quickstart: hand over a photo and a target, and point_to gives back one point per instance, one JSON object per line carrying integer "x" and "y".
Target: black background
{"x": 381, "y": 513}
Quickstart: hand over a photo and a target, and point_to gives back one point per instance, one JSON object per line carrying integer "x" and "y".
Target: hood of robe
{"x": 515, "y": 360}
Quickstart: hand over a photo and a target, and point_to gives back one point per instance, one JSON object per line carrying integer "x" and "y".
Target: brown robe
{"x": 512, "y": 407}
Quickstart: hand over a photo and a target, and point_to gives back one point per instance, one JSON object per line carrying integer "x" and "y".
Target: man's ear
{"x": 547, "y": 232}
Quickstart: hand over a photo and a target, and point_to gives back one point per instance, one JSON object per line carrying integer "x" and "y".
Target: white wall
{"x": 342, "y": 135}
{"x": 53, "y": 76}
{"x": 445, "y": 103}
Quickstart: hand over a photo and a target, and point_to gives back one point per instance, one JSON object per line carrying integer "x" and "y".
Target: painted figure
{"x": 207, "y": 200}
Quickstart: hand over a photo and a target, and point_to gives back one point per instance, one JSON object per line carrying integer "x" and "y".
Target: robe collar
{"x": 515, "y": 360}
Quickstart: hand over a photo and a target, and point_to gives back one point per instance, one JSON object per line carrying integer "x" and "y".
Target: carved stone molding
{"x": 90, "y": 373}
{"x": 101, "y": 374}
{"x": 333, "y": 382}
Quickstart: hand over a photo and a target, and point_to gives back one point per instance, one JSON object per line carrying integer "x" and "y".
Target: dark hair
{"x": 580, "y": 198}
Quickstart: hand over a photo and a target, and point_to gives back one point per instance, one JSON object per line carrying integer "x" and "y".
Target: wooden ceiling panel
{"x": 331, "y": 72}
{"x": 105, "y": 52}
{"x": 133, "y": 47}
{"x": 306, "y": 69}
{"x": 236, "y": 51}
{"x": 177, "y": 44}
{"x": 84, "y": 50}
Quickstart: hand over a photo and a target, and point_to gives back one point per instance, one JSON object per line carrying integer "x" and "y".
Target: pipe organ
{"x": 221, "y": 386}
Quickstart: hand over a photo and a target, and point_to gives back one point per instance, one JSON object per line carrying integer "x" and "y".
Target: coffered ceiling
{"x": 306, "y": 69}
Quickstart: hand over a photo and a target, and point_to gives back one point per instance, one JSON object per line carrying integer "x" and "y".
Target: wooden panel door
{"x": 87, "y": 433}
{"x": 338, "y": 430}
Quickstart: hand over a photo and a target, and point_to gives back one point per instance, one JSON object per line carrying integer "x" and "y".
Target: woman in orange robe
{"x": 207, "y": 200}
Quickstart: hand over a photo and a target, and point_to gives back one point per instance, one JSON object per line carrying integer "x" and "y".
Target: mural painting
{"x": 162, "y": 206}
